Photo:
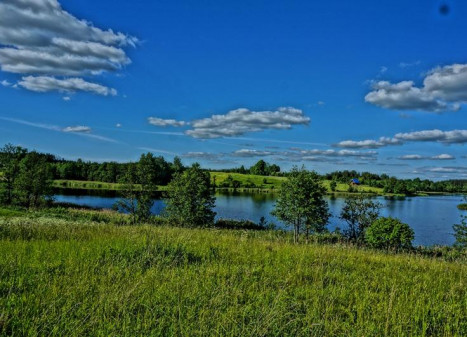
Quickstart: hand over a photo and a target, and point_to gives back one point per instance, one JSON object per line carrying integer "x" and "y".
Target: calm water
{"x": 430, "y": 217}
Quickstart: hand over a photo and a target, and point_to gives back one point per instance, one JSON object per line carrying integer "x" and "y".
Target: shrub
{"x": 389, "y": 233}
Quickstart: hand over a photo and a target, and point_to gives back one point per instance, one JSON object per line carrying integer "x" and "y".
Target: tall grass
{"x": 85, "y": 278}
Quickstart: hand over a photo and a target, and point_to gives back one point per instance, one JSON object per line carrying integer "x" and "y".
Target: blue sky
{"x": 376, "y": 86}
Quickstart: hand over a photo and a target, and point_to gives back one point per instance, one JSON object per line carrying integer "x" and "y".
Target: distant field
{"x": 247, "y": 181}
{"x": 82, "y": 278}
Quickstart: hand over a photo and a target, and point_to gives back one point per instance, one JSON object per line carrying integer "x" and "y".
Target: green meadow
{"x": 249, "y": 182}
{"x": 86, "y": 273}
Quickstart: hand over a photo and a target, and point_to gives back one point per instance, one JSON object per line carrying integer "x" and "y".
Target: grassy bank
{"x": 77, "y": 275}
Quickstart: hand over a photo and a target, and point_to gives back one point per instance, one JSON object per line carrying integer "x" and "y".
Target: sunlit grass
{"x": 79, "y": 277}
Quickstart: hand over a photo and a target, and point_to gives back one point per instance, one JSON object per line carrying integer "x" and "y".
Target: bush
{"x": 389, "y": 233}
{"x": 238, "y": 224}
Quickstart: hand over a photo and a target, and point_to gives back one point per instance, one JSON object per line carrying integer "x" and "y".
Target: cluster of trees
{"x": 261, "y": 168}
{"x": 110, "y": 172}
{"x": 301, "y": 204}
{"x": 398, "y": 186}
{"x": 25, "y": 177}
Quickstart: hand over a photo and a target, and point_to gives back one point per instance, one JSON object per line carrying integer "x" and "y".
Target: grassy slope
{"x": 71, "y": 278}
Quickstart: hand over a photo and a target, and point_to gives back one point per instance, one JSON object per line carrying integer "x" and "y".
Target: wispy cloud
{"x": 438, "y": 136}
{"x": 83, "y": 131}
{"x": 161, "y": 151}
{"x": 443, "y": 156}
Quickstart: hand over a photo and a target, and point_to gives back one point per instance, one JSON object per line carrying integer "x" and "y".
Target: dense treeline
{"x": 113, "y": 172}
{"x": 26, "y": 177}
{"x": 399, "y": 186}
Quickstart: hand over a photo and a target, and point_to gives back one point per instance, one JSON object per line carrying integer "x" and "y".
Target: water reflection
{"x": 430, "y": 217}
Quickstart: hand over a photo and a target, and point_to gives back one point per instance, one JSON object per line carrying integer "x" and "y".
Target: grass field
{"x": 270, "y": 183}
{"x": 71, "y": 277}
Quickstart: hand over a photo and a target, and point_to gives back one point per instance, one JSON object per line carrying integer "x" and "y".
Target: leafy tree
{"x": 190, "y": 201}
{"x": 10, "y": 157}
{"x": 389, "y": 233}
{"x": 177, "y": 166}
{"x": 333, "y": 185}
{"x": 301, "y": 203}
{"x": 260, "y": 168}
{"x": 34, "y": 181}
{"x": 359, "y": 213}
{"x": 139, "y": 184}
{"x": 460, "y": 231}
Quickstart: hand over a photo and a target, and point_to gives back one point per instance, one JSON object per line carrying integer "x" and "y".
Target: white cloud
{"x": 69, "y": 85}
{"x": 443, "y": 156}
{"x": 412, "y": 157}
{"x": 166, "y": 122}
{"x": 405, "y": 96}
{"x": 118, "y": 125}
{"x": 444, "y": 89}
{"x": 5, "y": 83}
{"x": 446, "y": 137}
{"x": 240, "y": 121}
{"x": 66, "y": 98}
{"x": 38, "y": 37}
{"x": 78, "y": 128}
{"x": 368, "y": 144}
{"x": 251, "y": 153}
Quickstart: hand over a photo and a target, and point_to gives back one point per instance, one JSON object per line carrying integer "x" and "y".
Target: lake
{"x": 430, "y": 217}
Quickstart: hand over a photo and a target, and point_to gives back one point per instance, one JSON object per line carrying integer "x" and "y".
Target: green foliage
{"x": 190, "y": 200}
{"x": 10, "y": 157}
{"x": 389, "y": 233}
{"x": 83, "y": 278}
{"x": 34, "y": 181}
{"x": 333, "y": 185}
{"x": 261, "y": 168}
{"x": 239, "y": 224}
{"x": 460, "y": 233}
{"x": 359, "y": 213}
{"x": 301, "y": 203}
{"x": 462, "y": 207}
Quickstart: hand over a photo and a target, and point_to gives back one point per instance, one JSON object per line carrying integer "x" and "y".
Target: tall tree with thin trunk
{"x": 190, "y": 199}
{"x": 301, "y": 203}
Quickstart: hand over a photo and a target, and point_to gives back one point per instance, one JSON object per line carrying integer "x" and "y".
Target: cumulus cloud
{"x": 78, "y": 128}
{"x": 444, "y": 89}
{"x": 404, "y": 96}
{"x": 203, "y": 156}
{"x": 38, "y": 37}
{"x": 166, "y": 122}
{"x": 240, "y": 121}
{"x": 5, "y": 83}
{"x": 69, "y": 85}
{"x": 443, "y": 156}
{"x": 368, "y": 144}
{"x": 446, "y": 137}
